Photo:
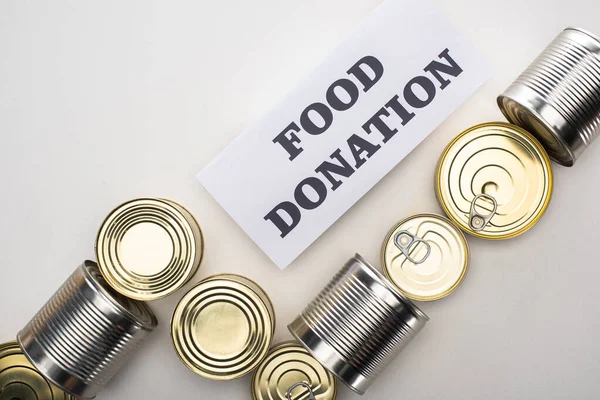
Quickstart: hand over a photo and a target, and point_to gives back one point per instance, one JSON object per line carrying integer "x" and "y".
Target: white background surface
{"x": 101, "y": 102}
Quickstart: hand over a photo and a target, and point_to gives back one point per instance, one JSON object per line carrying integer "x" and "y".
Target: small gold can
{"x": 222, "y": 328}
{"x": 494, "y": 181}
{"x": 149, "y": 248}
{"x": 425, "y": 256}
{"x": 19, "y": 380}
{"x": 289, "y": 372}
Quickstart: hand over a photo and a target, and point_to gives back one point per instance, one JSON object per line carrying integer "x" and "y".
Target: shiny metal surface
{"x": 85, "y": 333}
{"x": 445, "y": 266}
{"x": 358, "y": 324}
{"x": 557, "y": 98}
{"x": 499, "y": 161}
{"x": 149, "y": 248}
{"x": 19, "y": 380}
{"x": 222, "y": 328}
{"x": 290, "y": 369}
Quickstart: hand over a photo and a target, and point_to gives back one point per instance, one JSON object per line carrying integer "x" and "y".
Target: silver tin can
{"x": 84, "y": 334}
{"x": 357, "y": 324}
{"x": 557, "y": 98}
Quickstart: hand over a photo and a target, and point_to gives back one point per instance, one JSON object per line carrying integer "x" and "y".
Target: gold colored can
{"x": 425, "y": 256}
{"x": 289, "y": 372}
{"x": 222, "y": 328}
{"x": 494, "y": 181}
{"x": 149, "y": 248}
{"x": 19, "y": 380}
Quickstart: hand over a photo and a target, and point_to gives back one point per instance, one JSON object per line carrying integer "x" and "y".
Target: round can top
{"x": 425, "y": 256}
{"x": 494, "y": 181}
{"x": 20, "y": 380}
{"x": 149, "y": 248}
{"x": 289, "y": 372}
{"x": 222, "y": 328}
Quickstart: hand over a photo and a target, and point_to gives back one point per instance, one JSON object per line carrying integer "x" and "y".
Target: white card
{"x": 374, "y": 99}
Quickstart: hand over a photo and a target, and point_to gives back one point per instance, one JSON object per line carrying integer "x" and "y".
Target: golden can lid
{"x": 149, "y": 248}
{"x": 425, "y": 256}
{"x": 289, "y": 372}
{"x": 494, "y": 180}
{"x": 222, "y": 328}
{"x": 21, "y": 381}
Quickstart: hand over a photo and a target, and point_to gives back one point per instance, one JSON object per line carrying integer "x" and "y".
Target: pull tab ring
{"x": 305, "y": 385}
{"x": 406, "y": 241}
{"x": 477, "y": 221}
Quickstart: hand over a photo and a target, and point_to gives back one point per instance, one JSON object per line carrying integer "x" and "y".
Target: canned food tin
{"x": 494, "y": 181}
{"x": 357, "y": 324}
{"x": 149, "y": 248}
{"x": 19, "y": 380}
{"x": 425, "y": 256}
{"x": 222, "y": 328}
{"x": 85, "y": 333}
{"x": 557, "y": 98}
{"x": 289, "y": 372}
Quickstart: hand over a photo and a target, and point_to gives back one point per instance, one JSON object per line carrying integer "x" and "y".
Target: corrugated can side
{"x": 358, "y": 324}
{"x": 85, "y": 333}
{"x": 557, "y": 98}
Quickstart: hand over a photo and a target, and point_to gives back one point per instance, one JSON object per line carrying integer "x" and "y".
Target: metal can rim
{"x": 584, "y": 31}
{"x": 545, "y": 159}
{"x": 44, "y": 372}
{"x": 106, "y": 295}
{"x": 264, "y": 297}
{"x": 502, "y": 100}
{"x": 281, "y": 345}
{"x": 197, "y": 236}
{"x": 244, "y": 280}
{"x": 11, "y": 344}
{"x": 464, "y": 271}
{"x": 383, "y": 279}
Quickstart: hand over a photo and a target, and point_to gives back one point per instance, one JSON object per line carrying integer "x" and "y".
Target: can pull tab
{"x": 478, "y": 221}
{"x": 311, "y": 395}
{"x": 406, "y": 241}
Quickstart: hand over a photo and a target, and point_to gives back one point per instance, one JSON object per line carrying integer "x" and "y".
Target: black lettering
{"x": 452, "y": 69}
{"x": 343, "y": 169}
{"x": 284, "y": 226}
{"x": 358, "y": 146}
{"x": 400, "y": 110}
{"x": 425, "y": 84}
{"x": 349, "y": 87}
{"x": 376, "y": 69}
{"x": 307, "y": 123}
{"x": 318, "y": 187}
{"x": 287, "y": 142}
{"x": 377, "y": 122}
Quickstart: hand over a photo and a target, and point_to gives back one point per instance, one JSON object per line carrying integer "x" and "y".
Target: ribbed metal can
{"x": 85, "y": 333}
{"x": 557, "y": 98}
{"x": 358, "y": 324}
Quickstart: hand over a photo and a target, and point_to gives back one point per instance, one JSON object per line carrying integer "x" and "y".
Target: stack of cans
{"x": 146, "y": 249}
{"x": 494, "y": 181}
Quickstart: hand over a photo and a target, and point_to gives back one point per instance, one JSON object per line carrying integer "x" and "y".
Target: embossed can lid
{"x": 289, "y": 372}
{"x": 494, "y": 181}
{"x": 149, "y": 248}
{"x": 222, "y": 328}
{"x": 425, "y": 256}
{"x": 20, "y": 380}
